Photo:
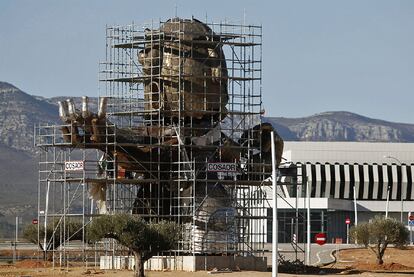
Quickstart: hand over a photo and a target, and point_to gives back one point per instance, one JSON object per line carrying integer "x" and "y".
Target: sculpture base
{"x": 188, "y": 263}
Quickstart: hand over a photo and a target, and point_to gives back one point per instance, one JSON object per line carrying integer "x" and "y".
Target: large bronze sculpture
{"x": 184, "y": 78}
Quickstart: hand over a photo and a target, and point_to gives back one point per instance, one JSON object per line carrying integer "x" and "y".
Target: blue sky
{"x": 318, "y": 56}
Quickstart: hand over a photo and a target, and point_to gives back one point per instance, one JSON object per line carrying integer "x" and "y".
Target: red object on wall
{"x": 320, "y": 238}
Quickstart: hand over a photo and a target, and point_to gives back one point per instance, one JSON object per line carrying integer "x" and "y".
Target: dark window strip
{"x": 351, "y": 182}
{"x": 361, "y": 182}
{"x": 390, "y": 179}
{"x": 333, "y": 180}
{"x": 399, "y": 183}
{"x": 342, "y": 181}
{"x": 323, "y": 181}
{"x": 380, "y": 182}
{"x": 409, "y": 182}
{"x": 313, "y": 185}
{"x": 304, "y": 179}
{"x": 371, "y": 182}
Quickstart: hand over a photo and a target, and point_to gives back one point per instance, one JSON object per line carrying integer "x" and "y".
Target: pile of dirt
{"x": 32, "y": 264}
{"x": 385, "y": 266}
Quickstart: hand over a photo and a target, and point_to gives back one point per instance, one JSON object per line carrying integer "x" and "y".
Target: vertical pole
{"x": 388, "y": 201}
{"x": 296, "y": 218}
{"x": 411, "y": 230}
{"x": 347, "y": 233}
{"x": 15, "y": 240}
{"x": 322, "y": 222}
{"x": 274, "y": 221}
{"x": 402, "y": 191}
{"x": 308, "y": 223}
{"x": 41, "y": 155}
{"x": 14, "y": 251}
{"x": 400, "y": 184}
{"x": 45, "y": 214}
{"x": 355, "y": 207}
{"x": 17, "y": 228}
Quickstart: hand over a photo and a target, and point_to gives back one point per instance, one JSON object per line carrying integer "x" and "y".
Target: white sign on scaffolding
{"x": 222, "y": 167}
{"x": 74, "y": 166}
{"x": 224, "y": 170}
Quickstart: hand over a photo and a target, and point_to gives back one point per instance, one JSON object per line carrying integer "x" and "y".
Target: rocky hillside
{"x": 342, "y": 126}
{"x": 19, "y": 112}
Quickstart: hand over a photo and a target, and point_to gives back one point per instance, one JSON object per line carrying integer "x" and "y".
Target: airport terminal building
{"x": 346, "y": 180}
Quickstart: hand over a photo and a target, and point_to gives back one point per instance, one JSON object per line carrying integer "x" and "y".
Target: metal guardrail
{"x": 52, "y": 135}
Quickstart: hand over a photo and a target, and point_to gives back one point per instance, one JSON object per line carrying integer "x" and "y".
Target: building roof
{"x": 348, "y": 152}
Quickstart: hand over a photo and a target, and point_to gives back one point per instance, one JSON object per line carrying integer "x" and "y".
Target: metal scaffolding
{"x": 181, "y": 140}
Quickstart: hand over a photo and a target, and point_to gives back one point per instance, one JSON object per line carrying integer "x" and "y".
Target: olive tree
{"x": 143, "y": 239}
{"x": 56, "y": 233}
{"x": 379, "y": 233}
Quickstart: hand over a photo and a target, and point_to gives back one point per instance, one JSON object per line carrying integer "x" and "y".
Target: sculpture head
{"x": 185, "y": 70}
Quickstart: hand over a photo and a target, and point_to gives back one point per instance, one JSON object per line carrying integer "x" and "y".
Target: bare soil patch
{"x": 32, "y": 264}
{"x": 353, "y": 261}
{"x": 20, "y": 252}
{"x": 395, "y": 260}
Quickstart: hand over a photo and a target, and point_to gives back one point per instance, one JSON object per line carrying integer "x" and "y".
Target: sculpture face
{"x": 186, "y": 72}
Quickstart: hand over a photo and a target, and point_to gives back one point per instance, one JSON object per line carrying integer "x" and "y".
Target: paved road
{"x": 319, "y": 254}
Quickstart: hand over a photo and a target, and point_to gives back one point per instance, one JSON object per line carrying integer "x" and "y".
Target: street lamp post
{"x": 388, "y": 190}
{"x": 387, "y": 205}
{"x": 275, "y": 232}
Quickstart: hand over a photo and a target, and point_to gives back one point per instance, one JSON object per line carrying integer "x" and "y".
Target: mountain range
{"x": 20, "y": 112}
{"x": 341, "y": 126}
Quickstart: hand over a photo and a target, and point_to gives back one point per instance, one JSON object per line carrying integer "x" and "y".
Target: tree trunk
{"x": 49, "y": 256}
{"x": 379, "y": 260}
{"x": 381, "y": 251}
{"x": 139, "y": 264}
